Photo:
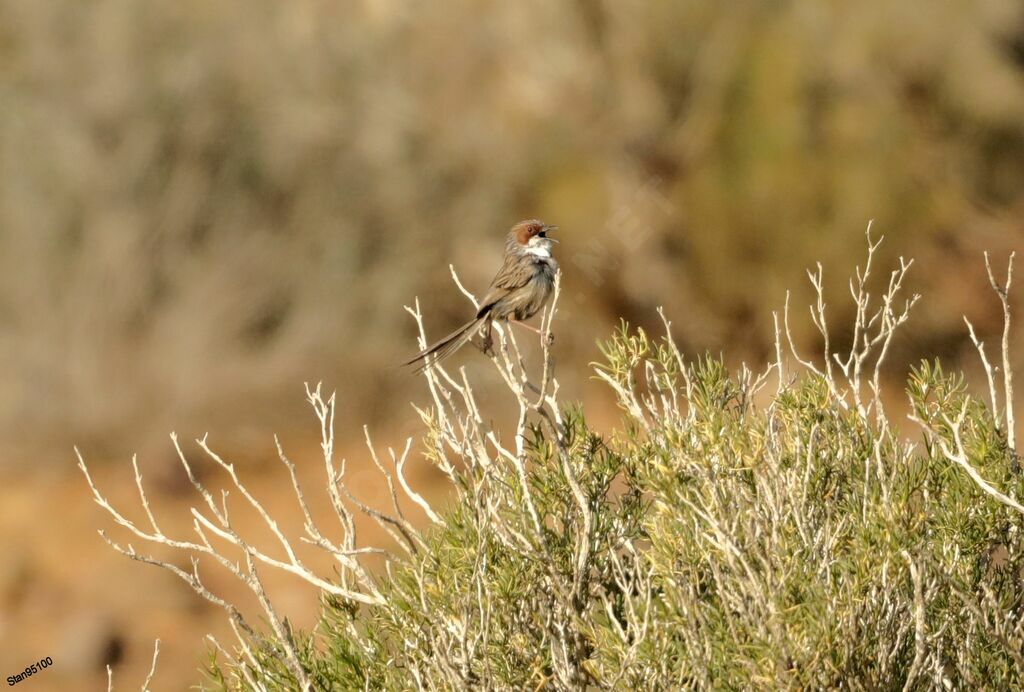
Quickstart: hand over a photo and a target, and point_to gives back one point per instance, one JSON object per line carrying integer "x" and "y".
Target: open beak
{"x": 548, "y": 229}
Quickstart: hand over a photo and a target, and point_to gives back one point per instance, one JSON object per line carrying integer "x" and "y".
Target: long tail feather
{"x": 446, "y": 346}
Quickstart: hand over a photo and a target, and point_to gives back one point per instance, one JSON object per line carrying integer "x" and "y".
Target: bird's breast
{"x": 529, "y": 300}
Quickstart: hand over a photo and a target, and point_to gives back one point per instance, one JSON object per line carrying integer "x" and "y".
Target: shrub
{"x": 730, "y": 535}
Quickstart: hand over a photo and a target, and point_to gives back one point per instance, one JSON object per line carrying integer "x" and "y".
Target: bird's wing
{"x": 514, "y": 274}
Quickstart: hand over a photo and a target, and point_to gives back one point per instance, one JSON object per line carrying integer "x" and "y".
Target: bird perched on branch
{"x": 521, "y": 288}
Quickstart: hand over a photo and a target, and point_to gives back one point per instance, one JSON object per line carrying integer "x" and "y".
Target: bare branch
{"x": 152, "y": 667}
{"x": 919, "y": 624}
{"x": 1003, "y": 291}
{"x": 989, "y": 371}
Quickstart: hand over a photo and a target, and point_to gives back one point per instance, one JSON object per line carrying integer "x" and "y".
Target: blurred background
{"x": 205, "y": 203}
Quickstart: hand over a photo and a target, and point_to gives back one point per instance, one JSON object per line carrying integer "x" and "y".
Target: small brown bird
{"x": 521, "y": 288}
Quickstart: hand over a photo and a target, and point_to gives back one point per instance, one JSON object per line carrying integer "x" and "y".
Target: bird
{"x": 520, "y": 289}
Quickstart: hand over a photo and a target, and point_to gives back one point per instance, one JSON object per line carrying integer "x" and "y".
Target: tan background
{"x": 205, "y": 204}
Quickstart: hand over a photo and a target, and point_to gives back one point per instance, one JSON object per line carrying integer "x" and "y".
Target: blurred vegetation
{"x": 204, "y": 203}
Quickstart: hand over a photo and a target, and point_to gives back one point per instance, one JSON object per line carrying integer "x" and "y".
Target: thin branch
{"x": 919, "y": 623}
{"x": 989, "y": 372}
{"x": 1004, "y": 298}
{"x": 152, "y": 667}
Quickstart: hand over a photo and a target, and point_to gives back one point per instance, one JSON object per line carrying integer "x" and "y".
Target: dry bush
{"x": 732, "y": 534}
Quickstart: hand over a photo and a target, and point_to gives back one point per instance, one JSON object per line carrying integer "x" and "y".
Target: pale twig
{"x": 1004, "y": 298}
{"x": 830, "y": 382}
{"x": 396, "y": 528}
{"x": 383, "y": 472}
{"x": 778, "y": 352}
{"x": 627, "y": 399}
{"x": 412, "y": 494}
{"x": 253, "y": 663}
{"x": 325, "y": 411}
{"x": 989, "y": 371}
{"x": 245, "y": 668}
{"x": 247, "y": 572}
{"x": 958, "y": 455}
{"x": 818, "y": 315}
{"x": 872, "y": 333}
{"x": 152, "y": 667}
{"x": 919, "y": 623}
{"x": 315, "y": 537}
{"x": 455, "y": 277}
{"x": 545, "y": 334}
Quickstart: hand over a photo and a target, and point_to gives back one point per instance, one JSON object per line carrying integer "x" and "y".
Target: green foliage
{"x": 738, "y": 539}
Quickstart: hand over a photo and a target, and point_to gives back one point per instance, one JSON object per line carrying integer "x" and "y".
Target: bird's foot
{"x": 486, "y": 345}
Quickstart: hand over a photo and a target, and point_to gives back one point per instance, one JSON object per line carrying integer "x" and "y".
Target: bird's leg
{"x": 538, "y": 332}
{"x": 486, "y": 341}
{"x": 524, "y": 325}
